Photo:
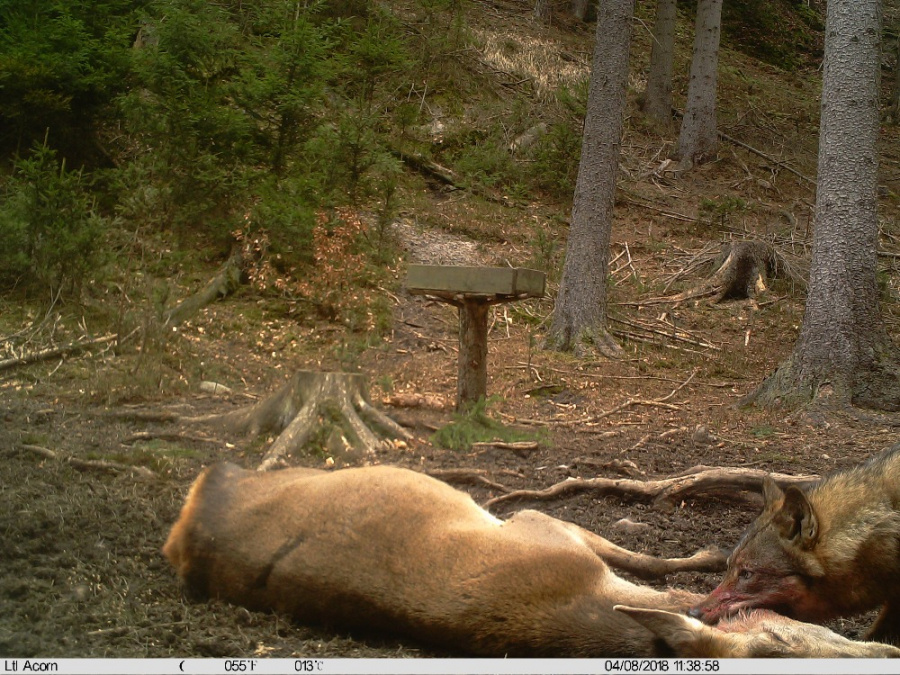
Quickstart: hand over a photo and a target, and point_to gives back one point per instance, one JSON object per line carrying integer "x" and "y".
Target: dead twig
{"x": 760, "y": 153}
{"x": 658, "y": 402}
{"x": 87, "y": 464}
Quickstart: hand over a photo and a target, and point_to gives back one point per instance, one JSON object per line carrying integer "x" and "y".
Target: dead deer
{"x": 757, "y": 633}
{"x": 386, "y": 548}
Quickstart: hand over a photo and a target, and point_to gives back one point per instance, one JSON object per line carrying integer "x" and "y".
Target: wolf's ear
{"x": 772, "y": 494}
{"x": 796, "y": 520}
{"x": 685, "y": 636}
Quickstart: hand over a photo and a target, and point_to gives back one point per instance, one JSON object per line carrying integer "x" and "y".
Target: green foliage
{"x": 282, "y": 81}
{"x": 556, "y": 156}
{"x": 203, "y": 146}
{"x": 50, "y": 232}
{"x": 546, "y": 251}
{"x": 474, "y": 426}
{"x": 720, "y": 211}
{"x": 487, "y": 163}
{"x": 61, "y": 63}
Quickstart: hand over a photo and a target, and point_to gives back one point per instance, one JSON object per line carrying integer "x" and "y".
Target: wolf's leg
{"x": 887, "y": 626}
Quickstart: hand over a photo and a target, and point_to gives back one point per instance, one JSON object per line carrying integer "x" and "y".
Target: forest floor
{"x": 81, "y": 572}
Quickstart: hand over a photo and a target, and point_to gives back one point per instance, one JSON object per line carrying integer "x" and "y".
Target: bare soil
{"x": 81, "y": 573}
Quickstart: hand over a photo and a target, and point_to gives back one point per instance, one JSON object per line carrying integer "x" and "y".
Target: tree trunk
{"x": 843, "y": 350}
{"x": 579, "y": 315}
{"x": 658, "y": 97}
{"x": 542, "y": 10}
{"x": 698, "y": 138}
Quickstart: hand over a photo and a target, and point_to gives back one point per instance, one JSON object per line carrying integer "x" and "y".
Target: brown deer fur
{"x": 386, "y": 548}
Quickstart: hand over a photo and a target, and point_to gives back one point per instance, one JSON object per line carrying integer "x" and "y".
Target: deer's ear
{"x": 685, "y": 636}
{"x": 796, "y": 520}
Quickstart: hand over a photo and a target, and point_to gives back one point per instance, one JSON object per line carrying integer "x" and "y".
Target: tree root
{"x": 730, "y": 483}
{"x": 586, "y": 344}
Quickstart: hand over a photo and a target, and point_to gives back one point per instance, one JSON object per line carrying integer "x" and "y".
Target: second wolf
{"x": 831, "y": 550}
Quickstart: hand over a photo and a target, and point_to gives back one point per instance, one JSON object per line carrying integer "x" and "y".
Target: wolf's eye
{"x": 745, "y": 574}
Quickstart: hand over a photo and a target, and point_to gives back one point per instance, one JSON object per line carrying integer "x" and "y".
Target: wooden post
{"x": 472, "y": 375}
{"x": 473, "y": 290}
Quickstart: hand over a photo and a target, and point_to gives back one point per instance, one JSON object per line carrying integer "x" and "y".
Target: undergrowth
{"x": 474, "y": 425}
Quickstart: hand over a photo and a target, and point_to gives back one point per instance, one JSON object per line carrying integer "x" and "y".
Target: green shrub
{"x": 50, "y": 231}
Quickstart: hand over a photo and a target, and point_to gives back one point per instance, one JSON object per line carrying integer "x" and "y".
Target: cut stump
{"x": 309, "y": 402}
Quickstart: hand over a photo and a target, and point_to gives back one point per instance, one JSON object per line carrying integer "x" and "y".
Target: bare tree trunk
{"x": 698, "y": 138}
{"x": 843, "y": 350}
{"x": 579, "y": 316}
{"x": 542, "y": 10}
{"x": 658, "y": 97}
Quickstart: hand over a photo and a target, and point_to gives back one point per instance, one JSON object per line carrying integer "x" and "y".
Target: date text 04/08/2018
{"x": 661, "y": 666}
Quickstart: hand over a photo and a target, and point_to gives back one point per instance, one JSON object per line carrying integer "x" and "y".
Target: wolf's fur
{"x": 831, "y": 551}
{"x": 757, "y": 633}
{"x": 385, "y": 548}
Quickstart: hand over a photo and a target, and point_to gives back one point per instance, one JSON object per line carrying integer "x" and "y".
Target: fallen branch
{"x": 518, "y": 446}
{"x": 87, "y": 464}
{"x": 44, "y": 354}
{"x": 760, "y": 153}
{"x": 666, "y": 492}
{"x": 657, "y": 402}
{"x": 443, "y": 174}
{"x": 226, "y": 282}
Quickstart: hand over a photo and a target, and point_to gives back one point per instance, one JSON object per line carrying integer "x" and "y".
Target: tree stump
{"x": 305, "y": 404}
{"x": 741, "y": 271}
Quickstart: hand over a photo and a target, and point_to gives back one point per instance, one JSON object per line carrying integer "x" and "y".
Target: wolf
{"x": 386, "y": 548}
{"x": 831, "y": 550}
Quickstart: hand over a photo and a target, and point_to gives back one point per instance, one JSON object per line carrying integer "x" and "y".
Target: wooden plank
{"x": 500, "y": 281}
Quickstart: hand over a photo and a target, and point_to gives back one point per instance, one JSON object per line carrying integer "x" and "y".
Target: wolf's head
{"x": 774, "y": 564}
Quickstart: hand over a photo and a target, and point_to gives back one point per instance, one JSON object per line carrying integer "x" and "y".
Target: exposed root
{"x": 724, "y": 482}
